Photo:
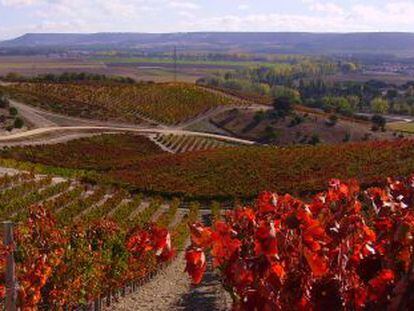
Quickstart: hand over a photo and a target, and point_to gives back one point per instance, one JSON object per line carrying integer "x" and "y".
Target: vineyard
{"x": 224, "y": 173}
{"x": 165, "y": 103}
{"x": 101, "y": 153}
{"x": 347, "y": 249}
{"x": 76, "y": 242}
{"x": 184, "y": 143}
{"x": 246, "y": 171}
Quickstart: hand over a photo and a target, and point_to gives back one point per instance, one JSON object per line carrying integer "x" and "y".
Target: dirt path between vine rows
{"x": 171, "y": 290}
{"x": 161, "y": 293}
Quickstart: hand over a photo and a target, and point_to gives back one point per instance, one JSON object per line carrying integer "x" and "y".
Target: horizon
{"x": 205, "y": 32}
{"x": 19, "y": 17}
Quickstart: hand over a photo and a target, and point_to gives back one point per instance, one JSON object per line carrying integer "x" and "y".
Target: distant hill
{"x": 401, "y": 44}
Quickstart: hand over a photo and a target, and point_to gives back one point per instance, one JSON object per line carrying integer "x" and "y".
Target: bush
{"x": 332, "y": 120}
{"x": 18, "y": 123}
{"x": 378, "y": 122}
{"x": 296, "y": 121}
{"x": 314, "y": 140}
{"x": 283, "y": 106}
{"x": 13, "y": 111}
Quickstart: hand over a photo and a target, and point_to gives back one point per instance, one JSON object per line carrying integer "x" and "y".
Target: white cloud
{"x": 272, "y": 22}
{"x": 243, "y": 7}
{"x": 394, "y": 14}
{"x": 188, "y": 15}
{"x": 18, "y": 3}
{"x": 186, "y": 5}
{"x": 324, "y": 7}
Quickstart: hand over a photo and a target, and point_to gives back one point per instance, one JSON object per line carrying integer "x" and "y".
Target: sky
{"x": 18, "y": 17}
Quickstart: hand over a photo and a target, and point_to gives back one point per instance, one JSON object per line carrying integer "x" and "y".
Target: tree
{"x": 18, "y": 123}
{"x": 380, "y": 105}
{"x": 283, "y": 106}
{"x": 348, "y": 67}
{"x": 378, "y": 122}
{"x": 283, "y": 91}
{"x": 354, "y": 102}
{"x": 337, "y": 104}
{"x": 13, "y": 111}
{"x": 392, "y": 93}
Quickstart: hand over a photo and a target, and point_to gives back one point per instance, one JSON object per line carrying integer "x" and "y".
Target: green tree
{"x": 18, "y": 123}
{"x": 283, "y": 91}
{"x": 378, "y": 122}
{"x": 380, "y": 105}
{"x": 283, "y": 106}
{"x": 13, "y": 111}
{"x": 337, "y": 104}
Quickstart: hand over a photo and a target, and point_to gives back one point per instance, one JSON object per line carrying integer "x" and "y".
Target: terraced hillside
{"x": 169, "y": 103}
{"x": 187, "y": 143}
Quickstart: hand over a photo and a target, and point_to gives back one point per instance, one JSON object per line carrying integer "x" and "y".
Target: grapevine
{"x": 345, "y": 249}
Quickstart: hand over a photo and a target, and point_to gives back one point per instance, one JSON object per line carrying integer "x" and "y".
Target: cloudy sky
{"x": 21, "y": 16}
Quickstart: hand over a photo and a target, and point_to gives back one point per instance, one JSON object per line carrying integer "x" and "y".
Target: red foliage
{"x": 64, "y": 267}
{"x": 4, "y": 252}
{"x": 346, "y": 249}
{"x": 154, "y": 239}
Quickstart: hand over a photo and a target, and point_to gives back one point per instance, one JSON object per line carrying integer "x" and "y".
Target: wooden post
{"x": 108, "y": 299}
{"x": 11, "y": 284}
{"x": 97, "y": 304}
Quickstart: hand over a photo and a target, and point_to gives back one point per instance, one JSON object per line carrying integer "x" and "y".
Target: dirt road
{"x": 46, "y": 130}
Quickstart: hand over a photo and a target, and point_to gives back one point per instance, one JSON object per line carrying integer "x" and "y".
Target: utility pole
{"x": 175, "y": 63}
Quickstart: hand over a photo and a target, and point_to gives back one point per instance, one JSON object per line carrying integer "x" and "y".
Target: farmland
{"x": 170, "y": 103}
{"x": 405, "y": 127}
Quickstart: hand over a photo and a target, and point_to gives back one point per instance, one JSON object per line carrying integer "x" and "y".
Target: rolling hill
{"x": 395, "y": 43}
{"x": 168, "y": 103}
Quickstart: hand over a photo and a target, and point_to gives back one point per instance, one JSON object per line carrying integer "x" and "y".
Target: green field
{"x": 138, "y": 60}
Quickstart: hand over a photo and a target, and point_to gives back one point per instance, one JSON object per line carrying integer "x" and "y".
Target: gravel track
{"x": 162, "y": 293}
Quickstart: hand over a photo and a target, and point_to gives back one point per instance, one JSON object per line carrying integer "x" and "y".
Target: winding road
{"x": 45, "y": 126}
{"x": 46, "y": 130}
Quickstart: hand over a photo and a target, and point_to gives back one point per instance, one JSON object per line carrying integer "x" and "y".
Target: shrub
{"x": 332, "y": 120}
{"x": 13, "y": 111}
{"x": 18, "y": 123}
